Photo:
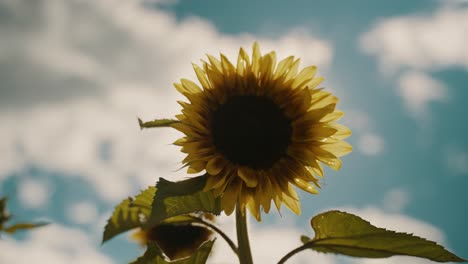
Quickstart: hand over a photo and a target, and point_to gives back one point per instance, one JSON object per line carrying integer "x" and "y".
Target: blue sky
{"x": 75, "y": 74}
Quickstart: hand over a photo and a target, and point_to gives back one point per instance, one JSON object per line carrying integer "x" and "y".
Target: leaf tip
{"x": 140, "y": 123}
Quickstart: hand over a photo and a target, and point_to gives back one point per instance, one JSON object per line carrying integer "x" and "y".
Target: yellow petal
{"x": 322, "y": 99}
{"x": 180, "y": 141}
{"x": 304, "y": 77}
{"x": 256, "y": 58}
{"x": 187, "y": 130}
{"x": 215, "y": 63}
{"x": 264, "y": 194}
{"x": 342, "y": 131}
{"x": 254, "y": 208}
{"x": 316, "y": 168}
{"x": 283, "y": 65}
{"x": 248, "y": 176}
{"x": 339, "y": 148}
{"x": 315, "y": 115}
{"x": 196, "y": 167}
{"x": 190, "y": 86}
{"x": 316, "y": 81}
{"x": 227, "y": 66}
{"x": 332, "y": 117}
{"x": 293, "y": 70}
{"x": 201, "y": 75}
{"x": 304, "y": 133}
{"x": 292, "y": 193}
{"x": 219, "y": 190}
{"x": 291, "y": 203}
{"x": 327, "y": 158}
{"x": 267, "y": 66}
{"x": 243, "y": 62}
{"x": 214, "y": 181}
{"x": 230, "y": 196}
{"x": 216, "y": 165}
{"x": 305, "y": 186}
{"x": 216, "y": 78}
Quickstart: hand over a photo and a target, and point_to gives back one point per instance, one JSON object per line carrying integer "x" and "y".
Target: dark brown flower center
{"x": 251, "y": 131}
{"x": 178, "y": 241}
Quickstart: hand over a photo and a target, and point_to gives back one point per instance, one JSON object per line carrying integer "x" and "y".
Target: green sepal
{"x": 347, "y": 234}
{"x": 182, "y": 197}
{"x": 153, "y": 255}
{"x": 157, "y": 123}
{"x": 23, "y": 226}
{"x": 130, "y": 213}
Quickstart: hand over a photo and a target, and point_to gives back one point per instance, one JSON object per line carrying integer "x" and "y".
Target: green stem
{"x": 245, "y": 256}
{"x": 219, "y": 231}
{"x": 295, "y": 251}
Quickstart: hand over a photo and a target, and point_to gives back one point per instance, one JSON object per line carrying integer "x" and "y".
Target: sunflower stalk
{"x": 245, "y": 255}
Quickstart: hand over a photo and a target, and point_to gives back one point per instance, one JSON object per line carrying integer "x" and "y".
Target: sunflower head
{"x": 175, "y": 240}
{"x": 257, "y": 128}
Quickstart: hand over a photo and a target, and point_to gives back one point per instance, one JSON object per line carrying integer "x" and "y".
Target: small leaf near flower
{"x": 347, "y": 234}
{"x": 153, "y": 255}
{"x": 23, "y": 226}
{"x": 129, "y": 214}
{"x": 182, "y": 197}
{"x": 5, "y": 217}
{"x": 157, "y": 123}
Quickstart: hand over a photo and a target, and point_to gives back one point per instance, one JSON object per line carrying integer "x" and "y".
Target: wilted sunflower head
{"x": 258, "y": 128}
{"x": 175, "y": 240}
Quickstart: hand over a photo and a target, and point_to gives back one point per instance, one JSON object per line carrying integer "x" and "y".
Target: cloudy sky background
{"x": 75, "y": 75}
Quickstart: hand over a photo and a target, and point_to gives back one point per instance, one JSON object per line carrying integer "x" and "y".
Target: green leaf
{"x": 343, "y": 233}
{"x": 157, "y": 123}
{"x": 23, "y": 226}
{"x": 4, "y": 215}
{"x": 182, "y": 197}
{"x": 129, "y": 214}
{"x": 153, "y": 255}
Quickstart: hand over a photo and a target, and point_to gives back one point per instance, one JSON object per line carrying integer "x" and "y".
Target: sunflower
{"x": 176, "y": 241}
{"x": 257, "y": 129}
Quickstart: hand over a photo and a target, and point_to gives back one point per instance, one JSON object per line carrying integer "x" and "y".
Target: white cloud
{"x": 82, "y": 213}
{"x": 33, "y": 193}
{"x": 78, "y": 73}
{"x": 268, "y": 243}
{"x": 358, "y": 121}
{"x": 416, "y": 45}
{"x": 370, "y": 144}
{"x": 418, "y": 90}
{"x": 456, "y": 160}
{"x": 396, "y": 200}
{"x": 421, "y": 41}
{"x": 53, "y": 244}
